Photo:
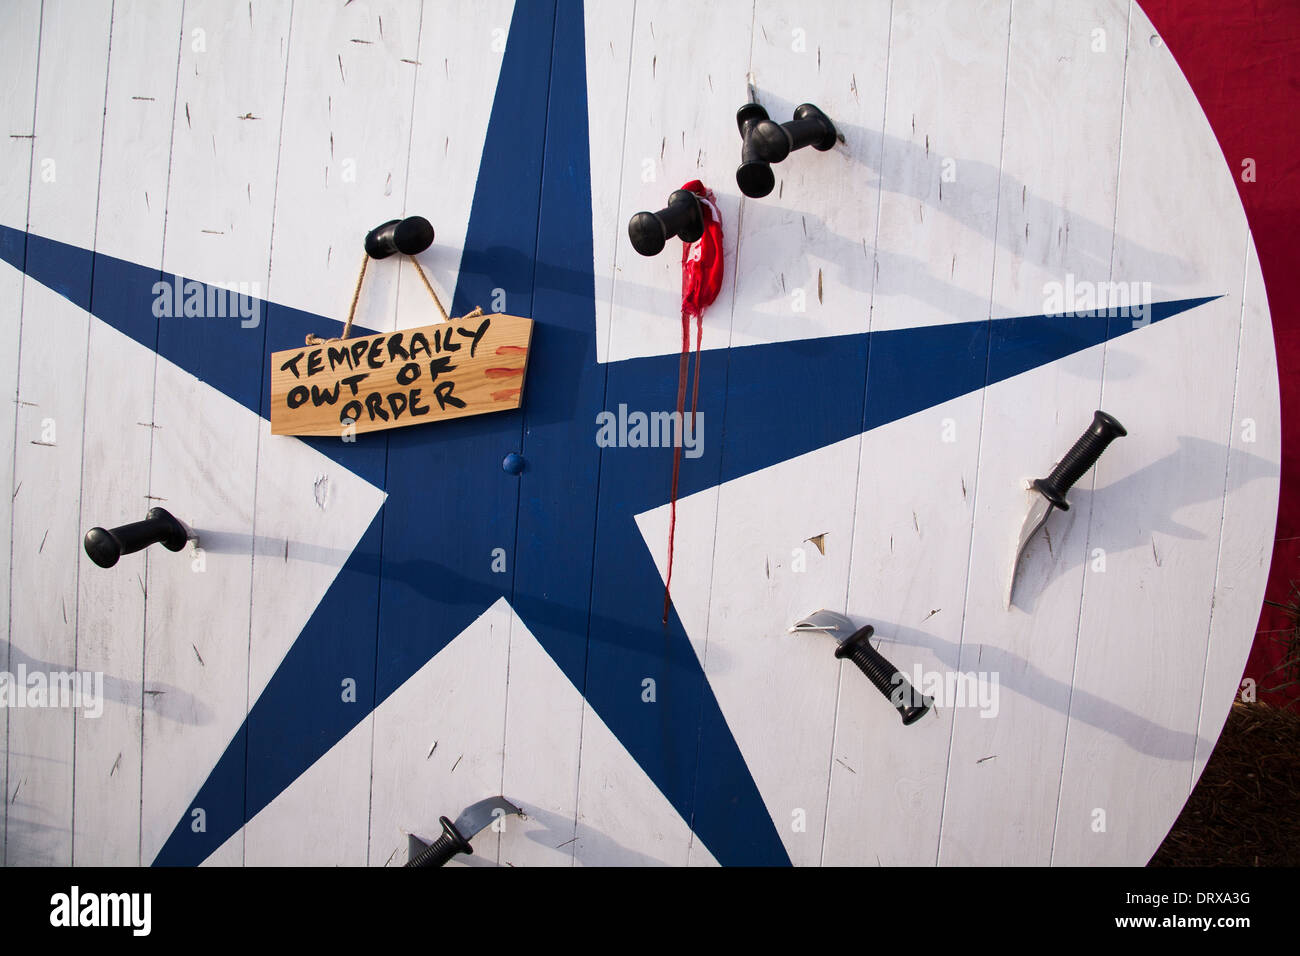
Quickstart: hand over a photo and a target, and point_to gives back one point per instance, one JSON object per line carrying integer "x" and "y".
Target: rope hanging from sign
{"x": 701, "y": 280}
{"x": 313, "y": 339}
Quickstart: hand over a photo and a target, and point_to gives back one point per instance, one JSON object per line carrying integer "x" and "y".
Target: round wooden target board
{"x": 368, "y": 634}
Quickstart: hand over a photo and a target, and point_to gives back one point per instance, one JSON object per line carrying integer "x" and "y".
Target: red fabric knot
{"x": 702, "y": 262}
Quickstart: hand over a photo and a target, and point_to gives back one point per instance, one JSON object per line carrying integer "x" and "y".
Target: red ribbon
{"x": 701, "y": 281}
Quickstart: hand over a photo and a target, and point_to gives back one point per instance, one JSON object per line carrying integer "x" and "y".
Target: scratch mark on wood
{"x": 566, "y": 843}
{"x": 819, "y": 540}
{"x": 989, "y": 757}
{"x": 931, "y": 614}
{"x": 819, "y": 57}
{"x": 412, "y": 62}
{"x": 1154, "y": 553}
{"x": 286, "y": 549}
{"x": 355, "y": 40}
{"x": 394, "y": 853}
{"x": 342, "y": 76}
{"x": 819, "y": 286}
{"x": 22, "y": 135}
{"x": 155, "y": 693}
{"x": 42, "y": 547}
{"x": 1047, "y": 533}
{"x": 963, "y": 488}
{"x": 63, "y": 602}
{"x": 767, "y": 568}
{"x": 914, "y": 522}
{"x": 654, "y": 65}
{"x": 146, "y": 99}
{"x": 381, "y": 28}
{"x": 212, "y": 232}
{"x": 141, "y": 580}
{"x": 154, "y": 498}
{"x": 16, "y": 789}
{"x": 431, "y": 750}
{"x": 765, "y": 36}
{"x": 840, "y": 761}
{"x": 781, "y": 192}
{"x": 47, "y": 444}
{"x": 116, "y": 763}
{"x": 248, "y": 116}
{"x": 457, "y": 763}
{"x": 853, "y": 85}
{"x": 199, "y": 656}
{"x": 188, "y": 124}
{"x": 804, "y": 220}
{"x": 663, "y": 144}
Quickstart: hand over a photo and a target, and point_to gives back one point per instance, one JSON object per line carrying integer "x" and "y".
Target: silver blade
{"x": 827, "y": 622}
{"x": 1036, "y": 518}
{"x": 476, "y": 816}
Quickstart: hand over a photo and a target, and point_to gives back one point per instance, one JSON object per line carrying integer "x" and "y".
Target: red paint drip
{"x": 511, "y": 350}
{"x": 505, "y": 393}
{"x": 502, "y": 372}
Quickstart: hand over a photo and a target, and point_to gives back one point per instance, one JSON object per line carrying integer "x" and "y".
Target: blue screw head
{"x": 512, "y": 464}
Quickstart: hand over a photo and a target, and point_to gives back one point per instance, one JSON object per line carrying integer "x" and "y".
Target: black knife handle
{"x": 650, "y": 231}
{"x": 1081, "y": 456}
{"x": 810, "y": 127}
{"x": 888, "y": 679}
{"x": 105, "y": 545}
{"x": 442, "y": 849}
{"x": 754, "y": 176}
{"x": 409, "y": 236}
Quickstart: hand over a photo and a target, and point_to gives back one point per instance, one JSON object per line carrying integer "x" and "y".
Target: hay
{"x": 1245, "y": 811}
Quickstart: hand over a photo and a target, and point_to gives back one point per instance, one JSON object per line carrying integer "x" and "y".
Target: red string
{"x": 677, "y": 453}
{"x": 677, "y": 449}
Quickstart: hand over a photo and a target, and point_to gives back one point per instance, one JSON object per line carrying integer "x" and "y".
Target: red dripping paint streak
{"x": 505, "y": 393}
{"x": 677, "y": 457}
{"x": 502, "y": 372}
{"x": 511, "y": 350}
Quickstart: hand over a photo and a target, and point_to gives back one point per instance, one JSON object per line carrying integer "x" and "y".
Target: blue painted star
{"x": 582, "y": 580}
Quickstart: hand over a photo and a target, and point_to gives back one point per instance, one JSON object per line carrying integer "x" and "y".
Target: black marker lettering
{"x": 476, "y": 336}
{"x": 442, "y": 392}
{"x": 292, "y": 365}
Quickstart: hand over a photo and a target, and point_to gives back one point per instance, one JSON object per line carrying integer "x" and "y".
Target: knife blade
{"x": 1051, "y": 491}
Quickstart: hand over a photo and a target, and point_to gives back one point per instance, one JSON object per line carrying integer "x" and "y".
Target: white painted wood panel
{"x": 460, "y": 58}
{"x": 804, "y": 269}
{"x": 916, "y": 480}
{"x": 679, "y": 126}
{"x": 119, "y": 432}
{"x": 1055, "y": 219}
{"x": 219, "y": 213}
{"x": 342, "y": 171}
{"x": 1158, "y": 499}
{"x": 454, "y": 89}
{"x": 19, "y": 50}
{"x": 48, "y": 441}
{"x": 1249, "y": 511}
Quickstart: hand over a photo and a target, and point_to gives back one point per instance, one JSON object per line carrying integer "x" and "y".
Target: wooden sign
{"x": 466, "y": 366}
